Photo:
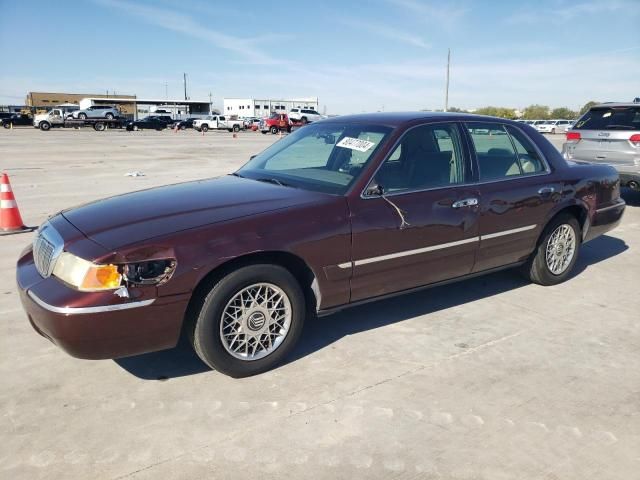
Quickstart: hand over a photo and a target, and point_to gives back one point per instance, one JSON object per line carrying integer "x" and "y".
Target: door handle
{"x": 546, "y": 190}
{"x": 467, "y": 202}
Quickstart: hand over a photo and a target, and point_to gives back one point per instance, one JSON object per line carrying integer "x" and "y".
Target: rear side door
{"x": 606, "y": 135}
{"x": 417, "y": 221}
{"x": 517, "y": 192}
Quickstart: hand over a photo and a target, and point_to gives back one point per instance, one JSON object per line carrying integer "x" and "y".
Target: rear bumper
{"x": 97, "y": 326}
{"x": 605, "y": 219}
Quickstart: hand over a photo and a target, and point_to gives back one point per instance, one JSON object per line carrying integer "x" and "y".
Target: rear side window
{"x": 503, "y": 154}
{"x": 610, "y": 118}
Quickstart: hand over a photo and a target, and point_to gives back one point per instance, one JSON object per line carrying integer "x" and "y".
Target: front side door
{"x": 517, "y": 192}
{"x": 417, "y": 222}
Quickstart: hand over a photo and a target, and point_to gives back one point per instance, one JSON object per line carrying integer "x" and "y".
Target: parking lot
{"x": 491, "y": 378}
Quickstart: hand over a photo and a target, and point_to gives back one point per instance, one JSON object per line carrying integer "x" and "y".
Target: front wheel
{"x": 248, "y": 321}
{"x": 109, "y": 116}
{"x": 44, "y": 126}
{"x": 82, "y": 116}
{"x": 205, "y": 128}
{"x": 274, "y": 130}
{"x": 557, "y": 252}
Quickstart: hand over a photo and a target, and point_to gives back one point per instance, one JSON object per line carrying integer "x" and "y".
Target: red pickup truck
{"x": 276, "y": 122}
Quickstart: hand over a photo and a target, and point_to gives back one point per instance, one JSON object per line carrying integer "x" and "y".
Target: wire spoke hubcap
{"x": 561, "y": 248}
{"x": 255, "y": 321}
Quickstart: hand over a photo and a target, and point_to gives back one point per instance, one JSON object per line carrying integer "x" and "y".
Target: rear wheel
{"x": 249, "y": 320}
{"x": 99, "y": 126}
{"x": 109, "y": 116}
{"x": 82, "y": 116}
{"x": 236, "y": 128}
{"x": 556, "y": 253}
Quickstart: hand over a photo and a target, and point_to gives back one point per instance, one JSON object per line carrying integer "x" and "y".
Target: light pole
{"x": 446, "y": 92}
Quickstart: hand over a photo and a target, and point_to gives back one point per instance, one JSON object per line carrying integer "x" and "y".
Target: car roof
{"x": 616, "y": 104}
{"x": 395, "y": 119}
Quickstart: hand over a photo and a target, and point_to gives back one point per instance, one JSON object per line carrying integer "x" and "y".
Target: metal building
{"x": 256, "y": 107}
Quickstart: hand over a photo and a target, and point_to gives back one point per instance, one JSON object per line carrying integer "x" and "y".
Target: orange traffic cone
{"x": 10, "y": 219}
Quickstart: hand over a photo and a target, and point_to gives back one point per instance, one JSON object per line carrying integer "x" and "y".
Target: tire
{"x": 109, "y": 116}
{"x": 99, "y": 126}
{"x": 274, "y": 130}
{"x": 553, "y": 131}
{"x": 82, "y": 116}
{"x": 538, "y": 269}
{"x": 236, "y": 128}
{"x": 45, "y": 126}
{"x": 206, "y": 320}
{"x": 303, "y": 120}
{"x": 205, "y": 128}
{"x": 6, "y": 125}
{"x": 183, "y": 127}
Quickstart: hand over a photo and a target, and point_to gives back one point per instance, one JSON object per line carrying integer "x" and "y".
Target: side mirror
{"x": 374, "y": 190}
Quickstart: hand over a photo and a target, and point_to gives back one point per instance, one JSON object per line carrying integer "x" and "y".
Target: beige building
{"x": 46, "y": 100}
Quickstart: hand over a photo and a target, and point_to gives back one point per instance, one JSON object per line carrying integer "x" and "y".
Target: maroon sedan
{"x": 341, "y": 212}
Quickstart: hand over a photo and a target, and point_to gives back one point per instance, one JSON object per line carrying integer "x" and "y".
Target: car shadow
{"x": 632, "y": 197}
{"x": 322, "y": 332}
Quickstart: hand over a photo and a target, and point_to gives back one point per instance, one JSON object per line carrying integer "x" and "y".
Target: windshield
{"x": 611, "y": 118}
{"x": 324, "y": 157}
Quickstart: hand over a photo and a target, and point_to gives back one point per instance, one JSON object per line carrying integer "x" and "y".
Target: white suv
{"x": 304, "y": 115}
{"x": 553, "y": 126}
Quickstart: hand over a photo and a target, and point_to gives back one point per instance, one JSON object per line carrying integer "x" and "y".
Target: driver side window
{"x": 428, "y": 156}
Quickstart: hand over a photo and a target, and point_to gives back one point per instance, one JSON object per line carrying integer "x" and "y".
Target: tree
{"x": 536, "y": 112}
{"x": 501, "y": 112}
{"x": 564, "y": 112}
{"x": 587, "y": 106}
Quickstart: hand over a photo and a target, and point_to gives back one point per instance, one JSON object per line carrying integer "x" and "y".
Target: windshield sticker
{"x": 355, "y": 144}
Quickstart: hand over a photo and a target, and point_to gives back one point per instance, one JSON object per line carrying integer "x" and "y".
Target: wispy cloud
{"x": 386, "y": 31}
{"x": 186, "y": 25}
{"x": 446, "y": 15}
{"x": 560, "y": 12}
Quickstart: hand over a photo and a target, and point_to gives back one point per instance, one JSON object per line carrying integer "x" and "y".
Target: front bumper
{"x": 98, "y": 325}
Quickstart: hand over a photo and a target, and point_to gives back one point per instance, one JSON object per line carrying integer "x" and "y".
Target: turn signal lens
{"x": 573, "y": 136}
{"x": 101, "y": 277}
{"x": 635, "y": 139}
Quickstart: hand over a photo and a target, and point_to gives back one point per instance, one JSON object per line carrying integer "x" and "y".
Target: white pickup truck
{"x": 217, "y": 122}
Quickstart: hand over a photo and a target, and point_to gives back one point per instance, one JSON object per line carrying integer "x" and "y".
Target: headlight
{"x": 90, "y": 277}
{"x": 86, "y": 276}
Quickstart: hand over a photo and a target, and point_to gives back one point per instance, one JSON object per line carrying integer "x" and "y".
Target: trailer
{"x": 56, "y": 119}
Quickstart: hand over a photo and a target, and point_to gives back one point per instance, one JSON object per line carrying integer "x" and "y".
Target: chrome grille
{"x": 47, "y": 247}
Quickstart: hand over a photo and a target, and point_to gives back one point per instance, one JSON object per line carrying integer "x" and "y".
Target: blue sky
{"x": 354, "y": 55}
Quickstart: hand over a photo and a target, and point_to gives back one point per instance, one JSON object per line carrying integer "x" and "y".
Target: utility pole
{"x": 166, "y": 90}
{"x": 446, "y": 92}
{"x": 210, "y": 103}
{"x": 184, "y": 75}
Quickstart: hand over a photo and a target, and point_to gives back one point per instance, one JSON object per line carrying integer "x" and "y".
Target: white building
{"x": 255, "y": 107}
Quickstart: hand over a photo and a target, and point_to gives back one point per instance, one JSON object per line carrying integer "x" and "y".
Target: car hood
{"x": 134, "y": 217}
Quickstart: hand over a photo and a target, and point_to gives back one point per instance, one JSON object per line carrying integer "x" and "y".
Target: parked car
{"x": 340, "y": 212}
{"x": 97, "y": 111}
{"x": 304, "y": 115}
{"x": 151, "y": 122}
{"x": 217, "y": 122}
{"x": 553, "y": 126}
{"x": 608, "y": 134}
{"x": 276, "y": 122}
{"x": 248, "y": 122}
{"x": 17, "y": 119}
{"x": 184, "y": 124}
{"x": 4, "y": 115}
